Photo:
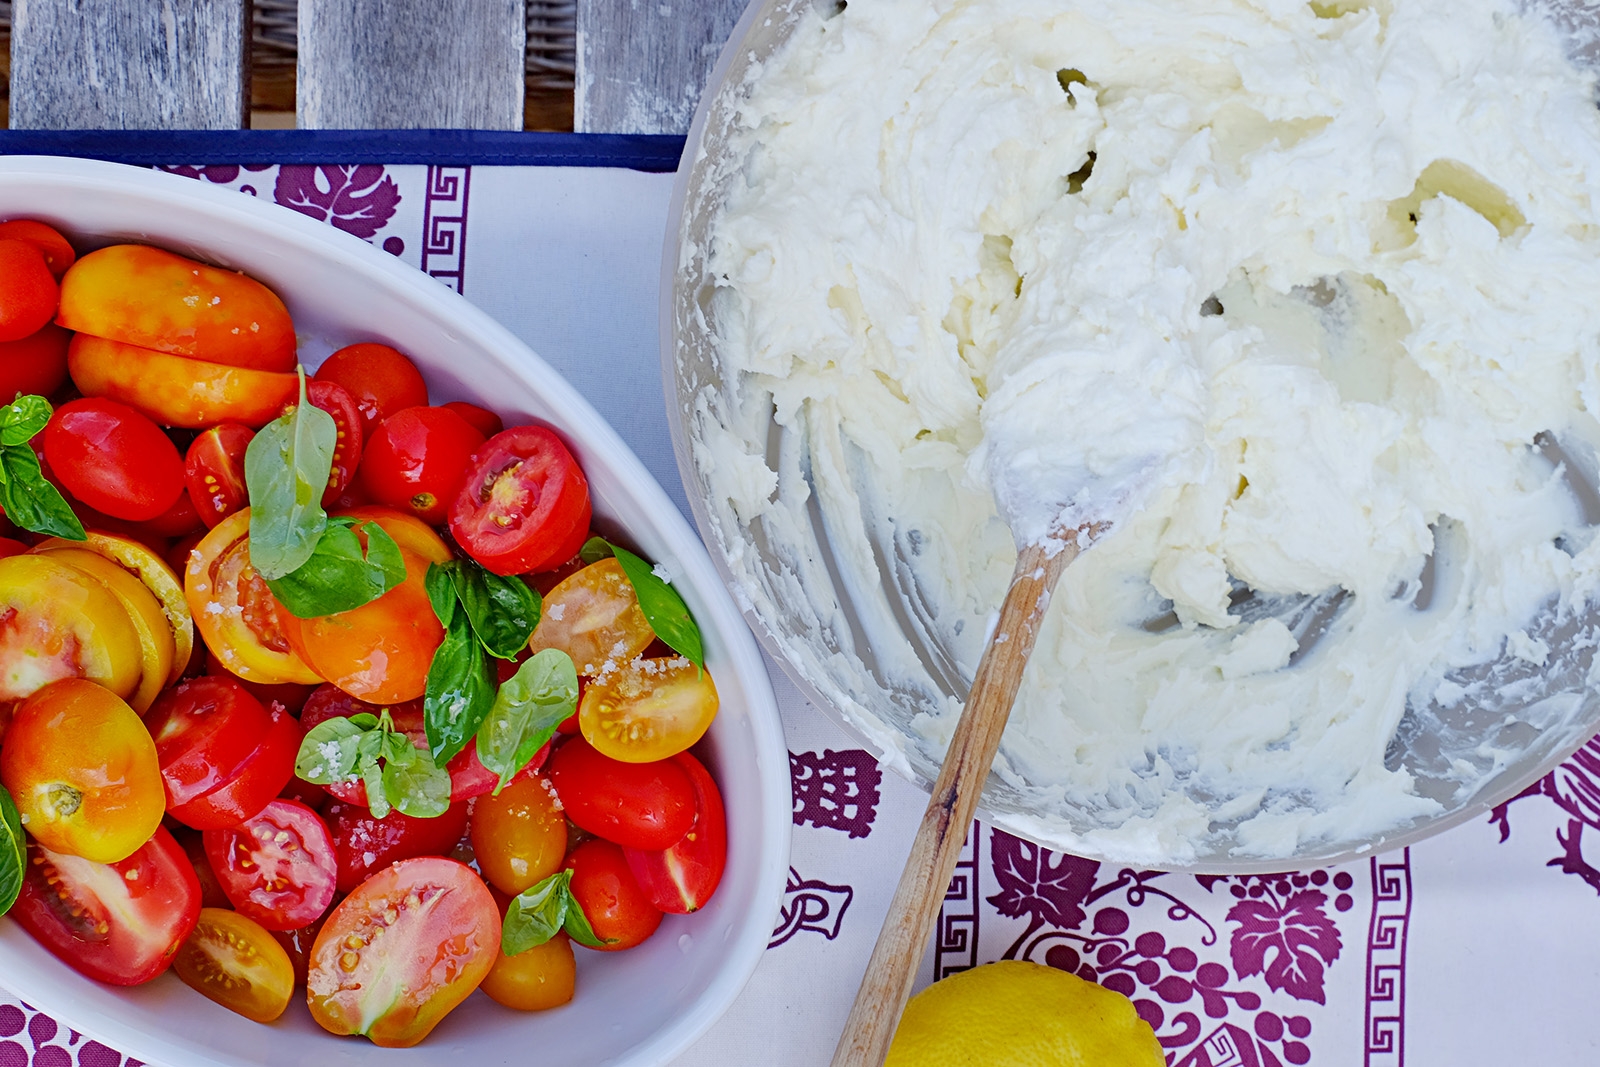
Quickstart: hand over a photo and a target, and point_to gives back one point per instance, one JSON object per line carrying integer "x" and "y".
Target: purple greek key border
{"x": 955, "y": 945}
{"x": 444, "y": 225}
{"x": 1385, "y": 1028}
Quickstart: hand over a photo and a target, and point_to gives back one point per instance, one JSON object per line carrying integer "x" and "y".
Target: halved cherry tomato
{"x": 116, "y": 922}
{"x": 235, "y": 611}
{"x": 291, "y": 695}
{"x": 416, "y": 460}
{"x": 648, "y": 709}
{"x": 381, "y": 379}
{"x": 162, "y": 301}
{"x": 205, "y": 731}
{"x": 524, "y": 505}
{"x": 233, "y": 961}
{"x": 113, "y": 458}
{"x": 83, "y": 772}
{"x": 177, "y": 390}
{"x": 617, "y": 908}
{"x": 402, "y": 951}
{"x": 682, "y": 878}
{"x": 483, "y": 420}
{"x": 537, "y": 979}
{"x": 262, "y": 777}
{"x": 277, "y": 868}
{"x": 519, "y": 835}
{"x": 56, "y": 249}
{"x": 642, "y": 805}
{"x": 28, "y": 291}
{"x": 214, "y": 471}
{"x": 156, "y": 644}
{"x": 349, "y": 437}
{"x": 363, "y": 844}
{"x": 35, "y": 364}
{"x": 594, "y": 617}
{"x": 57, "y": 622}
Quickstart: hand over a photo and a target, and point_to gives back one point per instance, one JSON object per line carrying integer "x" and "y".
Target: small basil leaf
{"x": 13, "y": 853}
{"x": 441, "y": 589}
{"x": 371, "y": 772}
{"x": 503, "y": 610}
{"x": 416, "y": 786}
{"x": 30, "y": 501}
{"x": 460, "y": 691}
{"x": 338, "y": 576}
{"x": 286, "y": 469}
{"x": 365, "y": 719}
{"x": 527, "y": 710}
{"x": 22, "y": 419}
{"x": 331, "y": 751}
{"x": 594, "y": 550}
{"x": 536, "y": 914}
{"x": 663, "y": 608}
{"x": 577, "y": 926}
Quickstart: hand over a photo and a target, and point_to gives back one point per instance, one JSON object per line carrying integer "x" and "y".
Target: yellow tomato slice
{"x": 144, "y": 611}
{"x": 232, "y": 960}
{"x": 594, "y": 617}
{"x": 648, "y": 710}
{"x": 57, "y": 622}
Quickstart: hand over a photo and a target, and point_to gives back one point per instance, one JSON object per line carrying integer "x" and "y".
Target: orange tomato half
{"x": 233, "y": 961}
{"x": 648, "y": 709}
{"x": 177, "y": 390}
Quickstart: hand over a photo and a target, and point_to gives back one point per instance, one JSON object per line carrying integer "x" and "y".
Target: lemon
{"x": 1019, "y": 1014}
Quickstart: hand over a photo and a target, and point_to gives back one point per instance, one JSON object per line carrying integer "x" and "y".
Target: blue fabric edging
{"x": 515, "y": 148}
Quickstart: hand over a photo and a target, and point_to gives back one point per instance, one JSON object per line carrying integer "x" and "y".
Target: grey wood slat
{"x": 411, "y": 64}
{"x": 129, "y": 64}
{"x": 643, "y": 63}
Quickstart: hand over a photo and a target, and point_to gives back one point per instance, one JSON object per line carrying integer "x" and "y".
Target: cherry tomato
{"x": 519, "y": 835}
{"x": 524, "y": 504}
{"x": 402, "y": 951}
{"x": 594, "y": 617}
{"x": 648, "y": 709}
{"x": 363, "y": 844}
{"x": 682, "y": 878}
{"x": 349, "y": 436}
{"x": 57, "y": 622}
{"x": 180, "y": 520}
{"x": 177, "y": 390}
{"x": 641, "y": 805}
{"x": 416, "y": 461}
{"x": 483, "y": 420}
{"x": 214, "y": 471}
{"x": 537, "y": 979}
{"x": 113, "y": 459}
{"x": 291, "y": 696}
{"x": 35, "y": 364}
{"x": 28, "y": 291}
{"x": 277, "y": 868}
{"x": 205, "y": 730}
{"x": 233, "y": 961}
{"x": 162, "y": 301}
{"x": 235, "y": 611}
{"x": 11, "y": 547}
{"x": 83, "y": 772}
{"x": 381, "y": 379}
{"x": 119, "y": 922}
{"x": 617, "y": 908}
{"x": 56, "y": 249}
{"x": 262, "y": 778}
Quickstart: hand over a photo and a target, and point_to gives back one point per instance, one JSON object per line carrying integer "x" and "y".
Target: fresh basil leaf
{"x": 441, "y": 588}
{"x": 338, "y": 576}
{"x": 503, "y": 610}
{"x": 460, "y": 690}
{"x": 286, "y": 469}
{"x": 417, "y": 787}
{"x": 663, "y": 608}
{"x": 371, "y": 772}
{"x": 577, "y": 926}
{"x": 527, "y": 710}
{"x": 22, "y": 419}
{"x": 330, "y": 752}
{"x": 13, "y": 853}
{"x": 30, "y": 501}
{"x": 594, "y": 550}
{"x": 536, "y": 914}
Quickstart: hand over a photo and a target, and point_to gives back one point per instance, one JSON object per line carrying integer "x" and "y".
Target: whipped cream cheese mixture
{"x": 1324, "y": 276}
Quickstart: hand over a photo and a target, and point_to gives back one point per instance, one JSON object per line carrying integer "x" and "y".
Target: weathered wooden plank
{"x": 129, "y": 64}
{"x": 643, "y": 63}
{"x": 411, "y": 64}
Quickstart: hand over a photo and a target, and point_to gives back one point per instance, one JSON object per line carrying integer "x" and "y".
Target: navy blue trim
{"x": 449, "y": 148}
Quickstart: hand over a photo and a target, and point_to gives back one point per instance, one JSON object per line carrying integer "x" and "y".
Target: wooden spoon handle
{"x": 886, "y": 986}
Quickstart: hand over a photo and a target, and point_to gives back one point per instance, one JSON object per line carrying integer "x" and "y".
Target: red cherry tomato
{"x": 682, "y": 878}
{"x": 28, "y": 291}
{"x": 291, "y": 695}
{"x": 35, "y": 364}
{"x": 483, "y": 420}
{"x": 363, "y": 844}
{"x": 616, "y": 907}
{"x": 381, "y": 380}
{"x": 56, "y": 249}
{"x": 211, "y": 894}
{"x": 440, "y": 934}
{"x": 205, "y": 731}
{"x": 337, "y": 401}
{"x": 416, "y": 461}
{"x": 113, "y": 458}
{"x": 262, "y": 777}
{"x": 116, "y": 922}
{"x": 213, "y": 469}
{"x": 641, "y": 805}
{"x": 524, "y": 505}
{"x": 277, "y": 868}
{"x": 11, "y": 547}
